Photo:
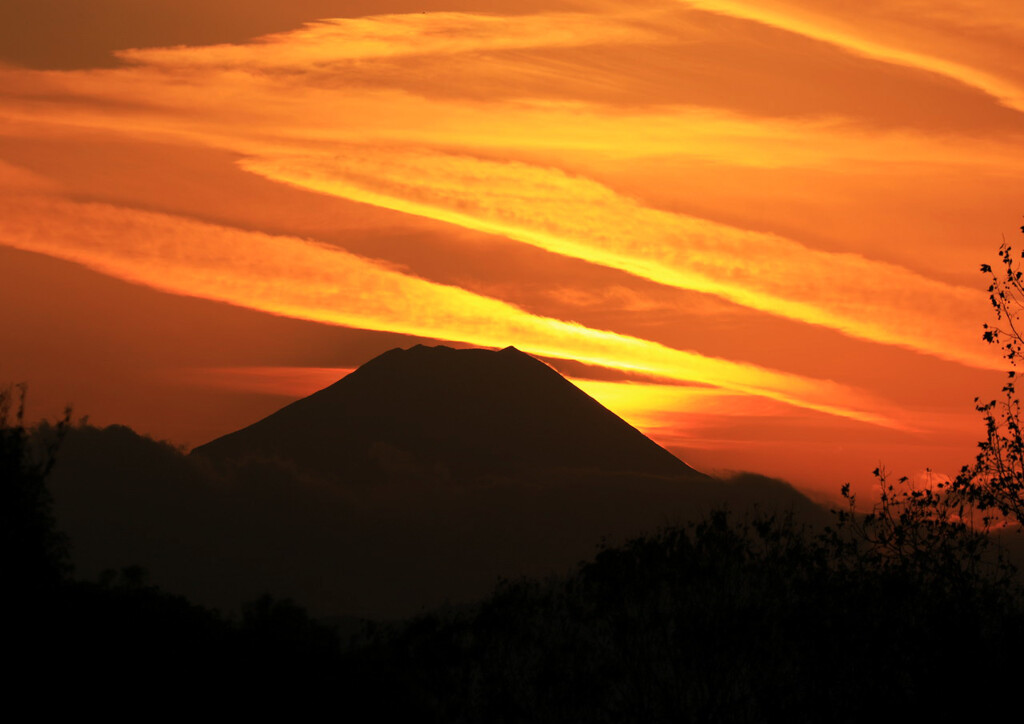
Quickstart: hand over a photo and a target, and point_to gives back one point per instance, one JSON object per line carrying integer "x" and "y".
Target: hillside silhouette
{"x": 421, "y": 478}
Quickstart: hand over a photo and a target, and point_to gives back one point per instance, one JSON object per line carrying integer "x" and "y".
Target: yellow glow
{"x": 652, "y": 407}
{"x": 789, "y": 190}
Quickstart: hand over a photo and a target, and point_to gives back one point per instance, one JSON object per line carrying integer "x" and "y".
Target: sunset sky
{"x": 752, "y": 228}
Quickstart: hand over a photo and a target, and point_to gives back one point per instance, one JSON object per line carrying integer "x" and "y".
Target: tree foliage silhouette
{"x": 940, "y": 533}
{"x": 931, "y": 536}
{"x": 34, "y": 552}
{"x": 996, "y": 479}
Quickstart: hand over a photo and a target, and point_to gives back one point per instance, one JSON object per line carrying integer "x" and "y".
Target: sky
{"x": 751, "y": 228}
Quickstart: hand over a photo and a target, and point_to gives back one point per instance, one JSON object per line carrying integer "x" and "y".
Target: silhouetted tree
{"x": 930, "y": 536}
{"x": 34, "y": 552}
{"x": 996, "y": 480}
{"x": 940, "y": 534}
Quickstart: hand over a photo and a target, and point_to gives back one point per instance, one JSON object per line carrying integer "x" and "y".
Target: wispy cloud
{"x": 307, "y": 280}
{"x": 888, "y": 37}
{"x": 391, "y": 149}
{"x": 387, "y": 36}
{"x": 576, "y": 217}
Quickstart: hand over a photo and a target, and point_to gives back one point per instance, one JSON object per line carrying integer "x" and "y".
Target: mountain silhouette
{"x": 437, "y": 413}
{"x": 420, "y": 478}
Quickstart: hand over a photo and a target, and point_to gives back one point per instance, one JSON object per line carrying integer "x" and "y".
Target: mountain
{"x": 421, "y": 478}
{"x": 443, "y": 414}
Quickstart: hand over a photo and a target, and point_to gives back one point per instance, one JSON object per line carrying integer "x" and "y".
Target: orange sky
{"x": 751, "y": 228}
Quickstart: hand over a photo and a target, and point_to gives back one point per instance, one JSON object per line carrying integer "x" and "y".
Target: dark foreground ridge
{"x": 437, "y": 413}
{"x": 753, "y": 618}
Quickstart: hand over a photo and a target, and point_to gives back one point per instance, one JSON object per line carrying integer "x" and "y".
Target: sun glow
{"x": 771, "y": 211}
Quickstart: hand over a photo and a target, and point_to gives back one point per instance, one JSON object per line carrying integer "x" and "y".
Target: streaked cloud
{"x": 303, "y": 279}
{"x": 386, "y": 36}
{"x": 897, "y": 41}
{"x": 388, "y": 158}
{"x": 260, "y": 114}
{"x": 568, "y": 215}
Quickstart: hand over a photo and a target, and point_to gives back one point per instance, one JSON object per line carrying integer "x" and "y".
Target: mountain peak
{"x": 455, "y": 414}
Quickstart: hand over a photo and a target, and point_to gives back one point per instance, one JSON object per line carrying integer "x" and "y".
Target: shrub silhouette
{"x": 729, "y": 619}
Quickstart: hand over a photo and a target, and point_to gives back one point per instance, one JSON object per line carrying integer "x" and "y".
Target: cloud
{"x": 267, "y": 101}
{"x": 16, "y": 179}
{"x": 331, "y": 41}
{"x": 438, "y": 158}
{"x": 577, "y": 217}
{"x": 383, "y": 153}
{"x": 897, "y": 41}
{"x": 307, "y": 280}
